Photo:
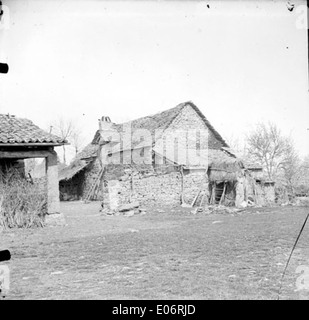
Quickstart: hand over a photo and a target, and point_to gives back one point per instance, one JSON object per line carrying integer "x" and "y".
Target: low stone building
{"x": 167, "y": 158}
{"x": 21, "y": 139}
{"x": 234, "y": 181}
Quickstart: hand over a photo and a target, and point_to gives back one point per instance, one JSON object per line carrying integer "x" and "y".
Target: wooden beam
{"x": 223, "y": 194}
{"x": 182, "y": 185}
{"x": 195, "y": 198}
{"x": 213, "y": 194}
{"x": 202, "y": 200}
{"x": 24, "y": 154}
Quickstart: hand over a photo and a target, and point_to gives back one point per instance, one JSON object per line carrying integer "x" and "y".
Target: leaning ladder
{"x": 96, "y": 182}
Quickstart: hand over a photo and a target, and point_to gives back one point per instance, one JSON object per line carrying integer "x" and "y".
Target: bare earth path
{"x": 160, "y": 255}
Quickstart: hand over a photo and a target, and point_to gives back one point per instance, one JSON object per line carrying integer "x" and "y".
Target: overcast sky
{"x": 240, "y": 62}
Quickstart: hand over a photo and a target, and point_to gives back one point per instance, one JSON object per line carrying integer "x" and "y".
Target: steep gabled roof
{"x": 162, "y": 120}
{"x": 15, "y": 130}
{"x": 152, "y": 123}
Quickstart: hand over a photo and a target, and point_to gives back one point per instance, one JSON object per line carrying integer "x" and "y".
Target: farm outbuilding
{"x": 21, "y": 139}
{"x": 233, "y": 181}
{"x": 199, "y": 168}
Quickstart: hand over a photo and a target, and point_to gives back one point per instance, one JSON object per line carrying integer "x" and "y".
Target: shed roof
{"x": 20, "y": 131}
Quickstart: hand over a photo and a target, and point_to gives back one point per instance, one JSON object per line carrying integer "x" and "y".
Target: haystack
{"x": 223, "y": 167}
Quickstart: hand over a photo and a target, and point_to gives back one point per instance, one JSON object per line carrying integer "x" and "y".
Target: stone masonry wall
{"x": 188, "y": 119}
{"x": 193, "y": 181}
{"x": 161, "y": 188}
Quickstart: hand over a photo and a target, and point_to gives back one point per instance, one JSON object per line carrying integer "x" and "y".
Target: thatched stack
{"x": 223, "y": 167}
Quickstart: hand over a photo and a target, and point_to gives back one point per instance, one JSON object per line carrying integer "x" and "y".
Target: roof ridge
{"x": 180, "y": 105}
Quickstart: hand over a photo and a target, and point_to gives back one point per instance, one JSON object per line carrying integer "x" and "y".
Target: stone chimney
{"x": 105, "y": 123}
{"x": 107, "y": 132}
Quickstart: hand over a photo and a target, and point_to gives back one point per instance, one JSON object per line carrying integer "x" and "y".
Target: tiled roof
{"x": 15, "y": 130}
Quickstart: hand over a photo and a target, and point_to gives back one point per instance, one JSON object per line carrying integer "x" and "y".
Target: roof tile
{"x": 15, "y": 130}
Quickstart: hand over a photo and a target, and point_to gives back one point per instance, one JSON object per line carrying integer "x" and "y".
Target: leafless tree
{"x": 77, "y": 140}
{"x": 303, "y": 176}
{"x": 271, "y": 149}
{"x": 64, "y": 129}
{"x": 67, "y": 130}
{"x": 290, "y": 166}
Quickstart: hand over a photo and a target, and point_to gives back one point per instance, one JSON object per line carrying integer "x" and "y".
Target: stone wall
{"x": 158, "y": 184}
{"x": 269, "y": 191}
{"x": 162, "y": 186}
{"x": 261, "y": 193}
{"x": 72, "y": 189}
{"x": 194, "y": 180}
{"x": 188, "y": 119}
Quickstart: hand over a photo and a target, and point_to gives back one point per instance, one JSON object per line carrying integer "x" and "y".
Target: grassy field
{"x": 161, "y": 255}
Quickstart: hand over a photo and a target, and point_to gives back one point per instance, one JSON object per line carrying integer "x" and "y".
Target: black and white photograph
{"x": 155, "y": 152}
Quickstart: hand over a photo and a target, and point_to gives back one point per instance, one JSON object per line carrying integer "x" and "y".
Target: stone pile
{"x": 127, "y": 210}
{"x": 216, "y": 209}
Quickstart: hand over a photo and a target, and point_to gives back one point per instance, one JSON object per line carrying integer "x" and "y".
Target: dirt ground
{"x": 164, "y": 254}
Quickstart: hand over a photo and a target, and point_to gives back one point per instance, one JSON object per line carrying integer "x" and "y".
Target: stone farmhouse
{"x": 173, "y": 157}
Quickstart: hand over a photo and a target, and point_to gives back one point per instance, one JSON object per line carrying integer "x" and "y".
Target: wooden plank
{"x": 213, "y": 194}
{"x": 24, "y": 154}
{"x": 182, "y": 185}
{"x": 202, "y": 200}
{"x": 223, "y": 194}
{"x": 194, "y": 200}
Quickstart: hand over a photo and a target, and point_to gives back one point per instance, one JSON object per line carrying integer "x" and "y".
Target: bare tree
{"x": 303, "y": 175}
{"x": 269, "y": 147}
{"x": 290, "y": 167}
{"x": 69, "y": 130}
{"x": 64, "y": 129}
{"x": 77, "y": 140}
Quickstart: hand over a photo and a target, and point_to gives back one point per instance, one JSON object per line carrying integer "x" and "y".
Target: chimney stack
{"x": 107, "y": 131}
{"x": 105, "y": 123}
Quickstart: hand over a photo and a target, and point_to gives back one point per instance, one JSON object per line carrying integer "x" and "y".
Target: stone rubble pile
{"x": 216, "y": 209}
{"x": 127, "y": 210}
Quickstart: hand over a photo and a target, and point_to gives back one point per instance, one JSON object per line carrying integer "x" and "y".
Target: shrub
{"x": 23, "y": 204}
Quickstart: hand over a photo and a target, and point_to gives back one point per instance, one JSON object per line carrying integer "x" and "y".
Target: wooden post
{"x": 182, "y": 186}
{"x": 102, "y": 185}
{"x": 131, "y": 184}
{"x": 213, "y": 193}
{"x": 240, "y": 192}
{"x": 195, "y": 198}
{"x": 223, "y": 194}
